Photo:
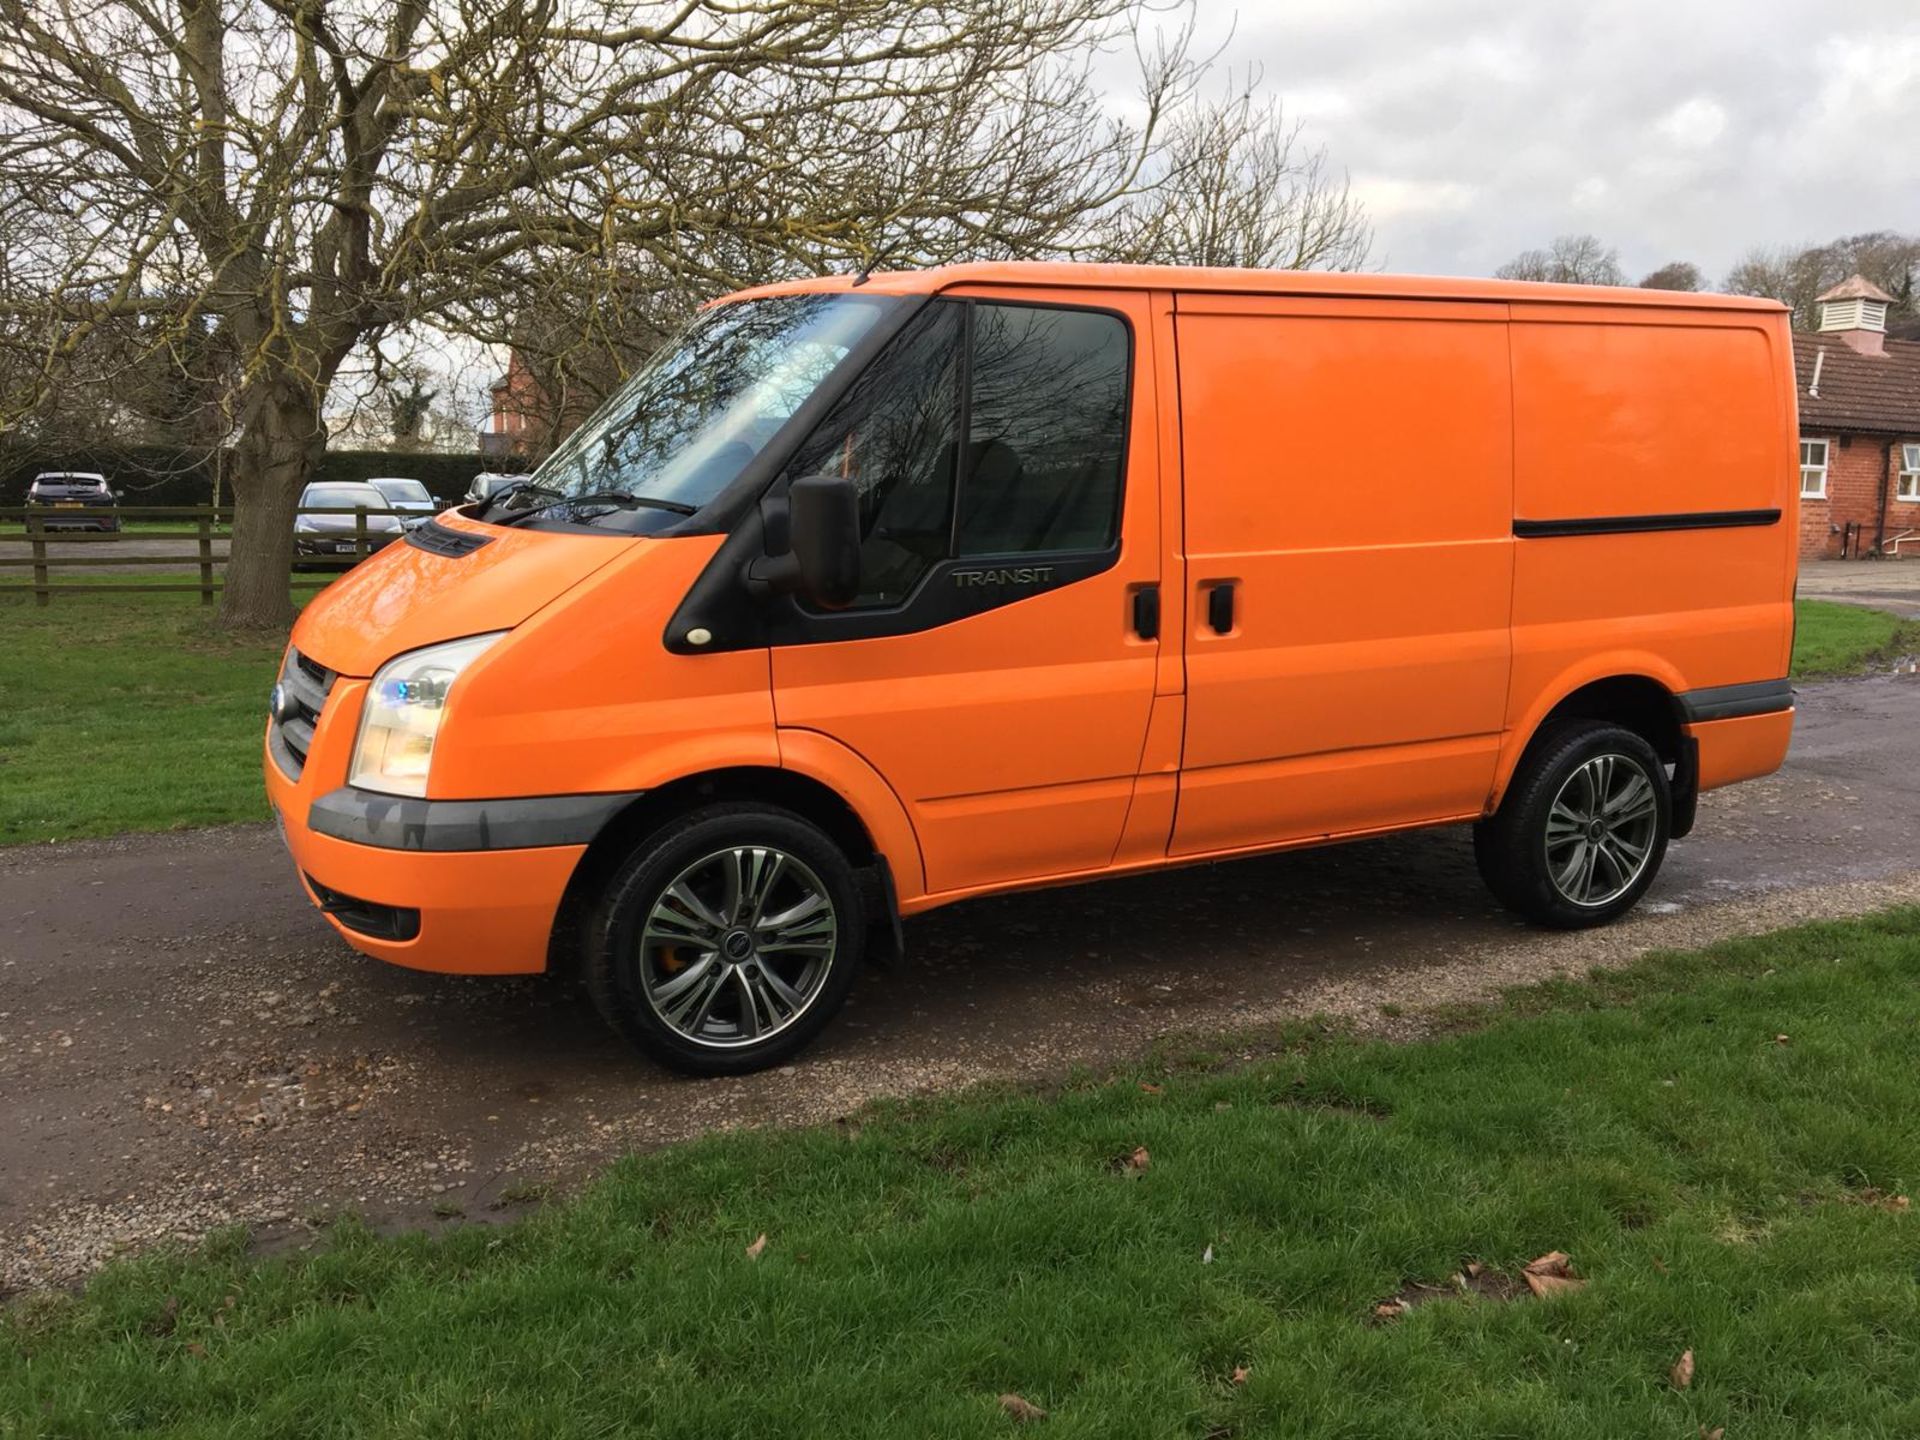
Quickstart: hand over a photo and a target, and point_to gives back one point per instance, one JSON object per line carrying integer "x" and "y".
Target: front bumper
{"x": 464, "y": 887}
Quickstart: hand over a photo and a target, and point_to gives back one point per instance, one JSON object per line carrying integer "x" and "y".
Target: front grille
{"x": 305, "y": 686}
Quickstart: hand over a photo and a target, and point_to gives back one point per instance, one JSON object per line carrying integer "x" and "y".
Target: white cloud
{"x": 1693, "y": 124}
{"x": 1692, "y": 131}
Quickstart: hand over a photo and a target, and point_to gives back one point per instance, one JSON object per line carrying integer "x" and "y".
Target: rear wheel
{"x": 728, "y": 940}
{"x": 1583, "y": 828}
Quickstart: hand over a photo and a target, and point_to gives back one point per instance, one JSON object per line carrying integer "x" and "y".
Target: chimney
{"x": 1855, "y": 310}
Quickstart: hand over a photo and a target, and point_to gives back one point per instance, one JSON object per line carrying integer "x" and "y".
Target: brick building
{"x": 1859, "y": 429}
{"x": 517, "y": 426}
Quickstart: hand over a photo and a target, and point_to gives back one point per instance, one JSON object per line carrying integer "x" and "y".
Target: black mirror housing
{"x": 813, "y": 542}
{"x": 823, "y": 527}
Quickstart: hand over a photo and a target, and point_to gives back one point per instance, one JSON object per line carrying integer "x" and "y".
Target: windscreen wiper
{"x": 619, "y": 498}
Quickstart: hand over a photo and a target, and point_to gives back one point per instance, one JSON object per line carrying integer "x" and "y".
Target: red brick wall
{"x": 1856, "y": 466}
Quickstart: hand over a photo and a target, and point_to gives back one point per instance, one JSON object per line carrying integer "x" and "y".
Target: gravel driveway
{"x": 183, "y": 1043}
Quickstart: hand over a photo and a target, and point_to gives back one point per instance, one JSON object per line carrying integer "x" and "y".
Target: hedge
{"x": 155, "y": 475}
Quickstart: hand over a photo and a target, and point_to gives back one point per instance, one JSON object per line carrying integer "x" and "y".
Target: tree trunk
{"x": 278, "y": 452}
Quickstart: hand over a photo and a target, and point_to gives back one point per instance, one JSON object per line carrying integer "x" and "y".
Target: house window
{"x": 1909, "y": 488}
{"x": 1813, "y": 469}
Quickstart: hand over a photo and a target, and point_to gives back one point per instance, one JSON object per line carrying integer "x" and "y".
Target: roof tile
{"x": 1880, "y": 393}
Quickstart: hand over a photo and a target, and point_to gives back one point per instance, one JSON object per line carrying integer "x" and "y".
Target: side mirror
{"x": 818, "y": 556}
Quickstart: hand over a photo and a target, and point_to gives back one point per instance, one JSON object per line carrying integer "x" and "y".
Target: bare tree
{"x": 1570, "y": 260}
{"x": 1797, "y": 275}
{"x": 1237, "y": 185}
{"x": 1678, "y": 275}
{"x": 303, "y": 176}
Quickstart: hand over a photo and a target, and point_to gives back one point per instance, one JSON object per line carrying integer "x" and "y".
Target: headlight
{"x": 402, "y": 715}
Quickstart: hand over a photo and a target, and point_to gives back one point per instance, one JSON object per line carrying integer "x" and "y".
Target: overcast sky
{"x": 1672, "y": 129}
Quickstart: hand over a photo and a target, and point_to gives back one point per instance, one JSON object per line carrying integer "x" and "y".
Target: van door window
{"x": 893, "y": 435}
{"x": 1046, "y": 431}
{"x": 1043, "y": 400}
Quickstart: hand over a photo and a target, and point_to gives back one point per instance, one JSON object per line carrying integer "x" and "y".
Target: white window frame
{"x": 1907, "y": 488}
{"x": 1820, "y": 470}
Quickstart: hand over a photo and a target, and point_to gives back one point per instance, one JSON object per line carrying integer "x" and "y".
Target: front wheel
{"x": 728, "y": 940}
{"x": 1583, "y": 828}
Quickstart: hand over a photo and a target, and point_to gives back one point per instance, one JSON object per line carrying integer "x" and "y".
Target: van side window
{"x": 1046, "y": 431}
{"x": 1043, "y": 397}
{"x": 893, "y": 434}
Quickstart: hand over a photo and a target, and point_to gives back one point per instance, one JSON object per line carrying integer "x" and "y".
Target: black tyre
{"x": 1583, "y": 828}
{"x": 728, "y": 940}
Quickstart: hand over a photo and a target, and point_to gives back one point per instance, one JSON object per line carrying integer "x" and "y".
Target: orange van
{"x": 865, "y": 597}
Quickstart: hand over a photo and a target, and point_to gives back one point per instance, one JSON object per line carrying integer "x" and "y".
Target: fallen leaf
{"x": 1782, "y": 1040}
{"x": 1899, "y": 1202}
{"x": 1151, "y": 1088}
{"x": 1474, "y": 1267}
{"x": 1718, "y": 1432}
{"x": 1554, "y": 1262}
{"x": 1391, "y": 1309}
{"x": 1138, "y": 1160}
{"x": 197, "y": 1350}
{"x": 1547, "y": 1286}
{"x": 1682, "y": 1372}
{"x": 1240, "y": 1374}
{"x": 753, "y": 1250}
{"x": 1206, "y": 1256}
{"x": 1021, "y": 1409}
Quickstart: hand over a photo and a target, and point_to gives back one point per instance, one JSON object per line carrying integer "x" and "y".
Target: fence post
{"x": 206, "y": 557}
{"x": 359, "y": 533}
{"x": 41, "y": 595}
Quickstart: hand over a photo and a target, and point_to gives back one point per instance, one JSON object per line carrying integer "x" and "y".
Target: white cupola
{"x": 1856, "y": 311}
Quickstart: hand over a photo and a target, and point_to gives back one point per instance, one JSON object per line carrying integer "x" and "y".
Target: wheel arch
{"x": 1641, "y": 697}
{"x": 871, "y": 844}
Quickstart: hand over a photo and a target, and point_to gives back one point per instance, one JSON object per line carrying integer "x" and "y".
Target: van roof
{"x": 1264, "y": 282}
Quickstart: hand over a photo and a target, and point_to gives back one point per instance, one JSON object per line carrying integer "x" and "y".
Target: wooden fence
{"x": 202, "y": 532}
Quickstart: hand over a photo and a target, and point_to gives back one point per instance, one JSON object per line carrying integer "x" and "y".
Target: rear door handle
{"x": 1146, "y": 612}
{"x": 1220, "y": 607}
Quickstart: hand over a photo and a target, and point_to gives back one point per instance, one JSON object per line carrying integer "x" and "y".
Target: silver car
{"x": 410, "y": 497}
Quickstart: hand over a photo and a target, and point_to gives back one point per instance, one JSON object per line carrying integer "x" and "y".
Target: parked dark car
{"x": 74, "y": 500}
{"x": 410, "y": 497}
{"x": 485, "y": 487}
{"x": 332, "y": 537}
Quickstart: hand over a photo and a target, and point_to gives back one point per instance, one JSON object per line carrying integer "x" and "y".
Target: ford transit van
{"x": 864, "y": 598}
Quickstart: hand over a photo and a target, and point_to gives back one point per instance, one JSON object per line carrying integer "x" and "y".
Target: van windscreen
{"x": 707, "y": 402}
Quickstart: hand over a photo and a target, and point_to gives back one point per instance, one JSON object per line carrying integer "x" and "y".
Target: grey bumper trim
{"x": 396, "y": 822}
{"x": 1731, "y": 702}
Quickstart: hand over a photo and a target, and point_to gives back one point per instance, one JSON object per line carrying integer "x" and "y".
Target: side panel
{"x": 1348, "y": 471}
{"x": 1621, "y": 412}
{"x": 1012, "y": 736}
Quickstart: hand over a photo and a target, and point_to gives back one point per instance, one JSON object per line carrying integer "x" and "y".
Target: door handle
{"x": 1146, "y": 612}
{"x": 1220, "y": 607}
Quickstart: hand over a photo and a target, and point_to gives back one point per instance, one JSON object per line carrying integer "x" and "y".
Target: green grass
{"x": 1834, "y": 639}
{"x": 126, "y": 712}
{"x": 1721, "y": 1189}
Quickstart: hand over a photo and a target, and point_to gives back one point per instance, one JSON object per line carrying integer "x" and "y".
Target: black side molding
{"x": 1731, "y": 702}
{"x": 1640, "y": 524}
{"x": 397, "y": 822}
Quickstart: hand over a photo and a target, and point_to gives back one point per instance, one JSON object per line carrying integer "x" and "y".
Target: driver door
{"x": 990, "y": 669}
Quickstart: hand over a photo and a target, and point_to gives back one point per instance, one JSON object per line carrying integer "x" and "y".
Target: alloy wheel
{"x": 1601, "y": 830}
{"x": 737, "y": 946}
